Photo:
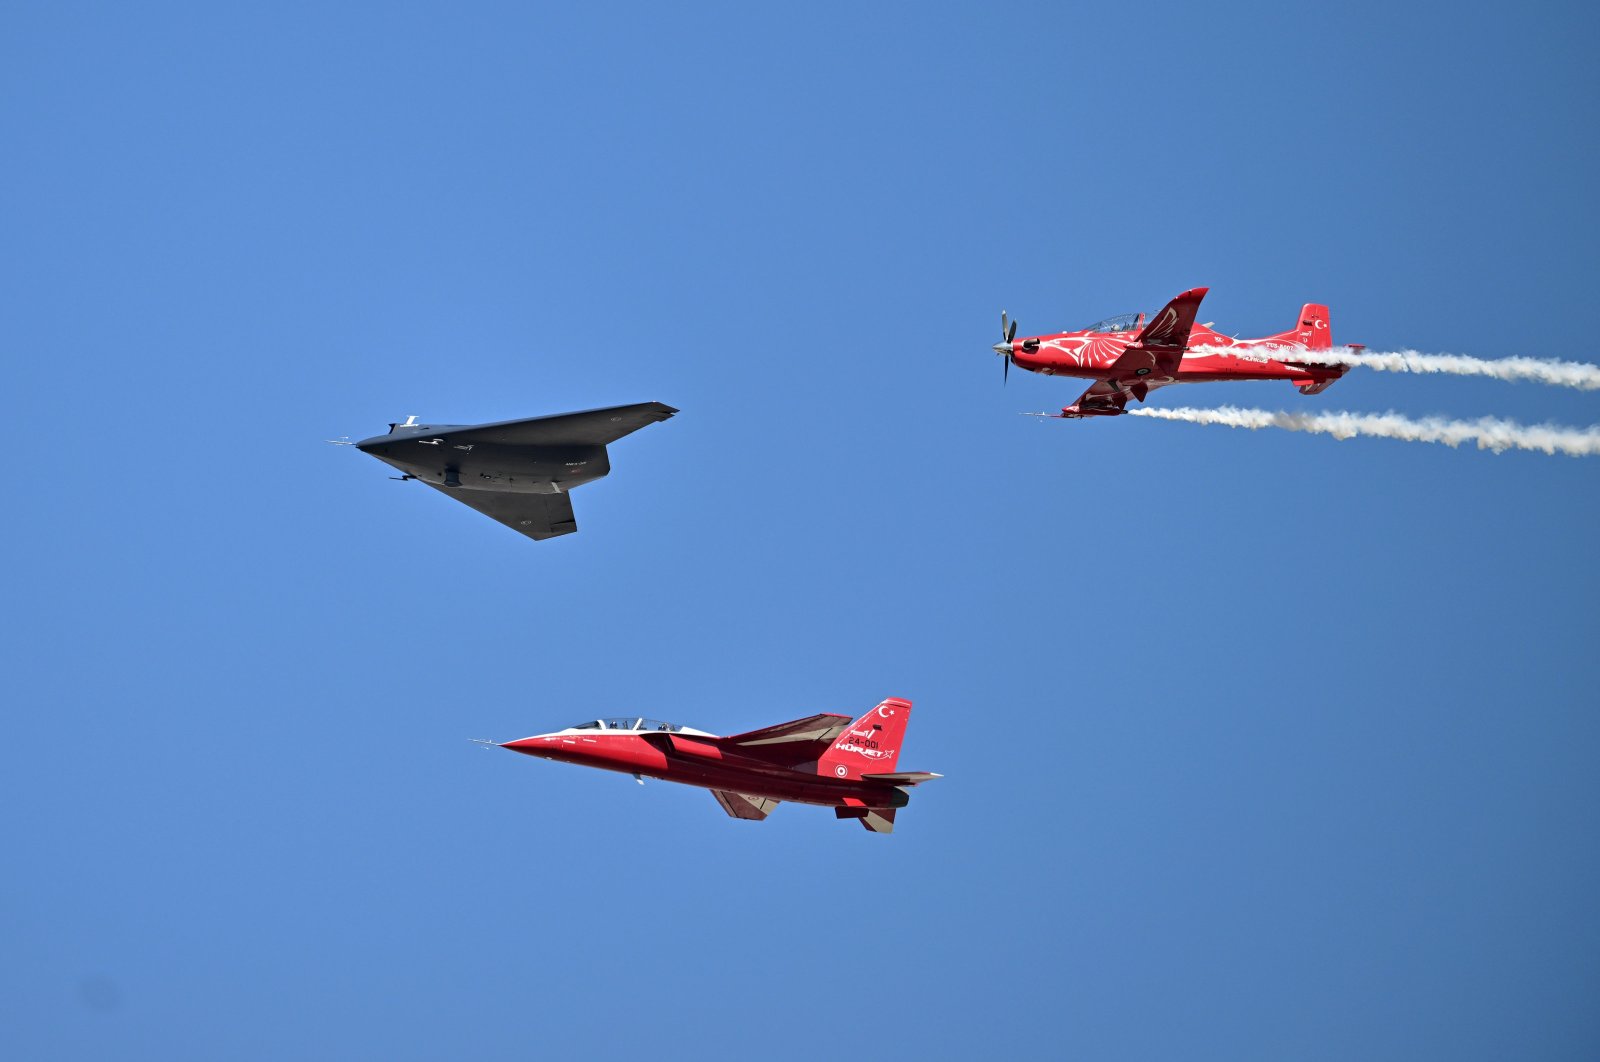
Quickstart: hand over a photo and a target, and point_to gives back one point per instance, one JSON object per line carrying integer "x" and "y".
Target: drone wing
{"x": 591, "y": 427}
{"x": 539, "y": 516}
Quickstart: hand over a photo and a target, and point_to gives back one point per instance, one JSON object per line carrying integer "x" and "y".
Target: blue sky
{"x": 1257, "y": 745}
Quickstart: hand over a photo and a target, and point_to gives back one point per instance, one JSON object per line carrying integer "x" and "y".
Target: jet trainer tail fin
{"x": 869, "y": 745}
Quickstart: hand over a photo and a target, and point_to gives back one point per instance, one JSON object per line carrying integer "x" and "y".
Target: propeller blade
{"x": 1008, "y": 332}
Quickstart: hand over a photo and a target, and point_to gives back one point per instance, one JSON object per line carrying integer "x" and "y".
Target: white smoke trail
{"x": 1576, "y": 374}
{"x": 1490, "y": 433}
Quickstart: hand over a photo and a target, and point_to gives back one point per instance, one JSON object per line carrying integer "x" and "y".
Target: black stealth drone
{"x": 516, "y": 471}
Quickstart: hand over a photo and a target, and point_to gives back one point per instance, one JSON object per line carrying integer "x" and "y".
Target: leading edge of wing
{"x": 1169, "y": 329}
{"x": 902, "y": 777}
{"x": 820, "y": 729}
{"x": 588, "y": 427}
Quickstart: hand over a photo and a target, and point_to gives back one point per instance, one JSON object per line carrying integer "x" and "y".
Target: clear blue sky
{"x": 1258, "y": 746}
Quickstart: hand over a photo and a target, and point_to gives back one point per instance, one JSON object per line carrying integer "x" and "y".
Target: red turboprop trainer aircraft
{"x": 1127, "y": 357}
{"x": 822, "y": 759}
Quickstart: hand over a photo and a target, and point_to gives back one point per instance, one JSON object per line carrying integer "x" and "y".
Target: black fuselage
{"x": 532, "y": 469}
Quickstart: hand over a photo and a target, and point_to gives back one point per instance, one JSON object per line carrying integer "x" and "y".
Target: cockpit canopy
{"x": 1126, "y": 322}
{"x": 627, "y": 722}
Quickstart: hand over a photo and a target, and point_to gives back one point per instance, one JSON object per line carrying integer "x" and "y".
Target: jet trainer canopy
{"x": 627, "y": 722}
{"x": 1125, "y": 322}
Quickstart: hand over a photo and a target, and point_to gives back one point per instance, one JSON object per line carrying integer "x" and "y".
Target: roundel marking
{"x": 841, "y": 770}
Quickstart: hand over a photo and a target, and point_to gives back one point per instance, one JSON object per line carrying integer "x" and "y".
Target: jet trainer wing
{"x": 743, "y": 805}
{"x": 539, "y": 516}
{"x": 591, "y": 427}
{"x": 798, "y": 741}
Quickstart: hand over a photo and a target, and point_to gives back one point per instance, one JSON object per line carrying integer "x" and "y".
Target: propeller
{"x": 1008, "y": 332}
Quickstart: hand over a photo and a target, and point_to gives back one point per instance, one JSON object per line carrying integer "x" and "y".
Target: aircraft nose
{"x": 530, "y": 746}
{"x": 1002, "y": 348}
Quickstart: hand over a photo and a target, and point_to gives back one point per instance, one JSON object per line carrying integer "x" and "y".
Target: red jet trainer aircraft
{"x": 1126, "y": 357}
{"x": 822, "y": 759}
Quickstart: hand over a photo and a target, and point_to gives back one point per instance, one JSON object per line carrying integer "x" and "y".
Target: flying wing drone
{"x": 1130, "y": 356}
{"x": 822, "y": 759}
{"x": 518, "y": 472}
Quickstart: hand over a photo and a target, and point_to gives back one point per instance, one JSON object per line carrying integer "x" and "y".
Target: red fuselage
{"x": 1090, "y": 354}
{"x": 692, "y": 758}
{"x": 1128, "y": 357}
